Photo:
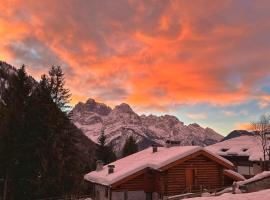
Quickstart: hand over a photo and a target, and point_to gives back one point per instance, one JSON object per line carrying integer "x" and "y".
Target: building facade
{"x": 158, "y": 173}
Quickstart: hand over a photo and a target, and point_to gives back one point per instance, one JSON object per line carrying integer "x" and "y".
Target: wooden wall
{"x": 207, "y": 174}
{"x": 135, "y": 184}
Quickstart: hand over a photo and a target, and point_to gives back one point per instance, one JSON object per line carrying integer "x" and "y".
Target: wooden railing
{"x": 187, "y": 194}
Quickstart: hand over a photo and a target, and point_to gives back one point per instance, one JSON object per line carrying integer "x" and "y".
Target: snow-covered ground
{"x": 255, "y": 178}
{"x": 261, "y": 195}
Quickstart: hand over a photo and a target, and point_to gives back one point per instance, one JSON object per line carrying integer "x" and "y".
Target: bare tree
{"x": 261, "y": 131}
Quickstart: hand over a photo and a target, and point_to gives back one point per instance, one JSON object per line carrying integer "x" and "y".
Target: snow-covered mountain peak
{"x": 121, "y": 122}
{"x": 92, "y": 106}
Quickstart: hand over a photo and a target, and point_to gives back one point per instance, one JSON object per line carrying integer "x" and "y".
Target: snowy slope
{"x": 5, "y": 71}
{"x": 261, "y": 195}
{"x": 119, "y": 123}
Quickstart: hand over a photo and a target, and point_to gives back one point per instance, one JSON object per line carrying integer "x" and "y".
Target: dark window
{"x": 97, "y": 195}
{"x": 106, "y": 192}
{"x": 126, "y": 195}
{"x": 245, "y": 150}
{"x": 224, "y": 150}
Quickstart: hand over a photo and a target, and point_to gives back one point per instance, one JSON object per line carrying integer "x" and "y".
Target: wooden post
{"x": 234, "y": 187}
{"x": 5, "y": 192}
{"x": 126, "y": 195}
{"x": 110, "y": 193}
{"x": 261, "y": 164}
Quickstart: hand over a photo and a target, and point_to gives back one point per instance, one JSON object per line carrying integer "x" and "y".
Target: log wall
{"x": 207, "y": 174}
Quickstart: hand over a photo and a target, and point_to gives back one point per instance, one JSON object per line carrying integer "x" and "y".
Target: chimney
{"x": 111, "y": 169}
{"x": 168, "y": 143}
{"x": 172, "y": 143}
{"x": 155, "y": 148}
{"x": 99, "y": 165}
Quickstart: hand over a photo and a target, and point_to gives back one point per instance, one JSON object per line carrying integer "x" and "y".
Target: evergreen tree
{"x": 130, "y": 147}
{"x": 104, "y": 152}
{"x": 15, "y": 101}
{"x": 59, "y": 93}
{"x": 38, "y": 145}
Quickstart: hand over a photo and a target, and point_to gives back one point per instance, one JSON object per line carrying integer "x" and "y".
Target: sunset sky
{"x": 205, "y": 61}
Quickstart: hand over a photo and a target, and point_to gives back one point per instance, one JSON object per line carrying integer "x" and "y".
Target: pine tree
{"x": 15, "y": 101}
{"x": 38, "y": 148}
{"x": 130, "y": 147}
{"x": 60, "y": 94}
{"x": 104, "y": 152}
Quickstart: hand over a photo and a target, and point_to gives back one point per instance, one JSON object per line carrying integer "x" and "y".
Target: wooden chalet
{"x": 158, "y": 173}
{"x": 245, "y": 152}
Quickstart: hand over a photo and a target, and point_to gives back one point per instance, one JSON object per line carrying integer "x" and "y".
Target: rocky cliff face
{"x": 121, "y": 122}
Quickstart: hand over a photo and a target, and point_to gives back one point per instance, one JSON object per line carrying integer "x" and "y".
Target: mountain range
{"x": 121, "y": 122}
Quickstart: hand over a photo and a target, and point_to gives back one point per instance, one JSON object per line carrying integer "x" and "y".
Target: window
{"x": 148, "y": 195}
{"x": 97, "y": 195}
{"x": 126, "y": 195}
{"x": 106, "y": 192}
{"x": 244, "y": 150}
{"x": 224, "y": 149}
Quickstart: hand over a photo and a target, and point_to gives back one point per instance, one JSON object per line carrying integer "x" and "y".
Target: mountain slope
{"x": 121, "y": 122}
{"x": 237, "y": 133}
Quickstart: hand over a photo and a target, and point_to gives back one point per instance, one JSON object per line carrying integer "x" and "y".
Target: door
{"x": 189, "y": 179}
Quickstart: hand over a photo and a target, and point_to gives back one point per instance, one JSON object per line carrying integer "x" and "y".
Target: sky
{"x": 205, "y": 61}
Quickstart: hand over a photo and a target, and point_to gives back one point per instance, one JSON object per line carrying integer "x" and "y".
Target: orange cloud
{"x": 146, "y": 53}
{"x": 243, "y": 126}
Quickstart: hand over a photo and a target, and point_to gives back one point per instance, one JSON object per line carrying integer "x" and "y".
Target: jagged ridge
{"x": 121, "y": 122}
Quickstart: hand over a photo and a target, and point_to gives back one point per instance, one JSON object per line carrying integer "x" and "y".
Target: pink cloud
{"x": 145, "y": 53}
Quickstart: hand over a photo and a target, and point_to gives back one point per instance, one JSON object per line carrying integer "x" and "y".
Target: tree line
{"x": 40, "y": 152}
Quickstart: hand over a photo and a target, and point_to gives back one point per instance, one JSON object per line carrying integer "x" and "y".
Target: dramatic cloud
{"x": 152, "y": 54}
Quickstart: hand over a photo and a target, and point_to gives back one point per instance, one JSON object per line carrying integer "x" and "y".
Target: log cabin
{"x": 160, "y": 172}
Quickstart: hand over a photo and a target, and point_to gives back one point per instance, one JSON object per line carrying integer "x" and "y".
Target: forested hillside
{"x": 42, "y": 154}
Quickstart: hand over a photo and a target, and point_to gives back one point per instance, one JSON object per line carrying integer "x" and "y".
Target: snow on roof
{"x": 261, "y": 195}
{"x": 240, "y": 146}
{"x": 144, "y": 159}
{"x": 239, "y": 176}
{"x": 255, "y": 178}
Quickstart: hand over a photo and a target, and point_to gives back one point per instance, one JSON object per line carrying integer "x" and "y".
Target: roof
{"x": 240, "y": 146}
{"x": 236, "y": 176}
{"x": 146, "y": 159}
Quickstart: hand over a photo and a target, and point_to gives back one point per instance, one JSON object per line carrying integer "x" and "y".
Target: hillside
{"x": 237, "y": 133}
{"x": 84, "y": 144}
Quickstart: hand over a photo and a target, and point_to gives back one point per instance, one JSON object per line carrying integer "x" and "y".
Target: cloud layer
{"x": 151, "y": 54}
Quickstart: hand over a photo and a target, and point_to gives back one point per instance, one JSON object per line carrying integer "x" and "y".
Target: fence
{"x": 72, "y": 197}
{"x": 195, "y": 194}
